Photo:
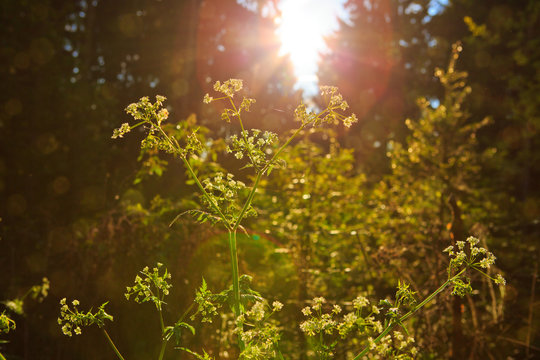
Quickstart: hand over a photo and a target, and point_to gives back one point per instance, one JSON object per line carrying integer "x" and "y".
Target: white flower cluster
{"x": 69, "y": 318}
{"x": 360, "y": 302}
{"x": 393, "y": 346}
{"x": 146, "y": 111}
{"x": 328, "y": 323}
{"x": 349, "y": 120}
{"x": 263, "y": 333}
{"x": 153, "y": 286}
{"x": 254, "y": 145}
{"x": 477, "y": 258}
{"x": 121, "y": 131}
{"x": 226, "y": 188}
{"x": 73, "y": 320}
{"x": 323, "y": 324}
{"x": 337, "y": 102}
{"x": 277, "y": 306}
{"x": 229, "y": 87}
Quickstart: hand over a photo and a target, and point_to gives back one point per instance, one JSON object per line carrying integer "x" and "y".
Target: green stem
{"x": 162, "y": 350}
{"x": 236, "y": 286}
{"x": 410, "y": 313}
{"x": 163, "y": 340}
{"x": 296, "y": 132}
{"x": 248, "y": 201}
{"x": 186, "y": 312}
{"x": 232, "y": 232}
{"x": 195, "y": 178}
{"x": 112, "y": 345}
{"x": 280, "y": 355}
{"x": 259, "y": 176}
{"x": 244, "y": 133}
{"x": 138, "y": 124}
{"x": 205, "y": 194}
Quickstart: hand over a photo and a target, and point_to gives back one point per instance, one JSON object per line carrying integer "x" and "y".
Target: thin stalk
{"x": 232, "y": 232}
{"x": 280, "y": 355}
{"x": 244, "y": 134}
{"x": 248, "y": 201}
{"x": 138, "y": 124}
{"x": 186, "y": 312}
{"x": 296, "y": 132}
{"x": 236, "y": 285}
{"x": 163, "y": 340}
{"x": 205, "y": 194}
{"x": 259, "y": 176}
{"x": 112, "y": 345}
{"x": 409, "y": 314}
{"x": 162, "y": 350}
{"x": 195, "y": 178}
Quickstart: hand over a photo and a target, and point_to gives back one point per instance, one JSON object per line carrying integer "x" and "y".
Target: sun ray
{"x": 302, "y": 27}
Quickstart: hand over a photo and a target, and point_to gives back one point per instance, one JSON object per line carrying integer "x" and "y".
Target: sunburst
{"x": 302, "y": 26}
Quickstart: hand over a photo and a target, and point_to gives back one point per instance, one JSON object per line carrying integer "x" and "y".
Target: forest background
{"x": 380, "y": 202}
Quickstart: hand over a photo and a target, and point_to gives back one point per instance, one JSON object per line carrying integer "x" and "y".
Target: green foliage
{"x": 228, "y": 202}
{"x": 432, "y": 198}
{"x": 204, "y": 356}
{"x": 176, "y": 331}
{"x": 337, "y": 222}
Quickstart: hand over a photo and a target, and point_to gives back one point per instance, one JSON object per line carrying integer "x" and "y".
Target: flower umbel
{"x": 71, "y": 319}
{"x": 476, "y": 258}
{"x": 153, "y": 286}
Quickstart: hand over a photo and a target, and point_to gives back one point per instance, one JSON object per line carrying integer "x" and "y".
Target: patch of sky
{"x": 434, "y": 102}
{"x": 435, "y": 7}
{"x": 67, "y": 45}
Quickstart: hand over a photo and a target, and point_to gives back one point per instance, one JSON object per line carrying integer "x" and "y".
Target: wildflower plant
{"x": 326, "y": 328}
{"x": 464, "y": 257}
{"x": 260, "y": 150}
{"x": 72, "y": 319}
{"x": 227, "y": 202}
{"x": 152, "y": 287}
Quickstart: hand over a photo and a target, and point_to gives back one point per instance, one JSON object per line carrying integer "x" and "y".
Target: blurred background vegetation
{"x": 353, "y": 212}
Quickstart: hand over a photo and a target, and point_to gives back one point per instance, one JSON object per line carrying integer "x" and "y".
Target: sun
{"x": 301, "y": 29}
